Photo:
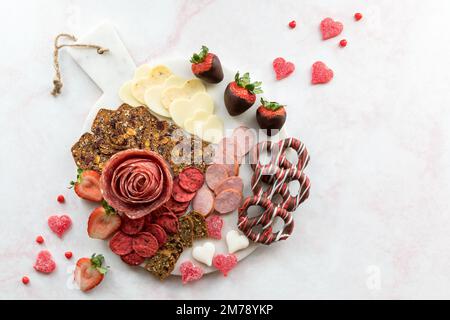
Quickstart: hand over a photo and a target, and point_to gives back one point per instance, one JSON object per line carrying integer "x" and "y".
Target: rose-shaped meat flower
{"x": 136, "y": 182}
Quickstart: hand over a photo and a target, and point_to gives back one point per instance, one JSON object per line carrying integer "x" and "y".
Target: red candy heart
{"x": 225, "y": 262}
{"x": 59, "y": 224}
{"x": 214, "y": 225}
{"x": 330, "y": 28}
{"x": 282, "y": 68}
{"x": 321, "y": 73}
{"x": 44, "y": 262}
{"x": 190, "y": 272}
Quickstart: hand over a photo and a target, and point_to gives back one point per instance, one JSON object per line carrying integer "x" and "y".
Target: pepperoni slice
{"x": 191, "y": 179}
{"x": 158, "y": 232}
{"x": 121, "y": 244}
{"x": 179, "y": 194}
{"x": 132, "y": 226}
{"x": 145, "y": 244}
{"x": 215, "y": 174}
{"x": 169, "y": 222}
{"x": 133, "y": 259}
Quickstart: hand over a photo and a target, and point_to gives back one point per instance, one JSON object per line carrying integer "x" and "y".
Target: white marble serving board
{"x": 113, "y": 68}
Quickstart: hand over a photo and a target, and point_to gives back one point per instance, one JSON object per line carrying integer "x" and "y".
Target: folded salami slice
{"x": 136, "y": 182}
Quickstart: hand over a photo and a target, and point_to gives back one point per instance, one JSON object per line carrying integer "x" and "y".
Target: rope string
{"x": 57, "y": 81}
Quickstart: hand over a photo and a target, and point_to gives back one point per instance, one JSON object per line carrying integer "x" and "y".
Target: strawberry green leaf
{"x": 108, "y": 209}
{"x": 245, "y": 82}
{"x": 200, "y": 57}
{"x": 97, "y": 263}
{"x": 271, "y": 105}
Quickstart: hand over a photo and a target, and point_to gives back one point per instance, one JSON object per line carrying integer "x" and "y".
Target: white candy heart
{"x": 204, "y": 253}
{"x": 236, "y": 241}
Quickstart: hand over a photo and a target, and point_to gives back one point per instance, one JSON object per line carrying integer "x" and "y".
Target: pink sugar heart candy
{"x": 330, "y": 28}
{"x": 59, "y": 224}
{"x": 44, "y": 262}
{"x": 214, "y": 226}
{"x": 190, "y": 272}
{"x": 282, "y": 68}
{"x": 225, "y": 262}
{"x": 321, "y": 73}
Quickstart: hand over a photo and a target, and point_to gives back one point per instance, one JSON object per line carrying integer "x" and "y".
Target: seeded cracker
{"x": 200, "y": 227}
{"x": 134, "y": 127}
{"x": 186, "y": 231}
{"x": 161, "y": 264}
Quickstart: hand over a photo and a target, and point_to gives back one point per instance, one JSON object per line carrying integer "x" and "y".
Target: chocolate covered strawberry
{"x": 89, "y": 272}
{"x": 240, "y": 94}
{"x": 270, "y": 116}
{"x": 103, "y": 222}
{"x": 207, "y": 66}
{"x": 87, "y": 185}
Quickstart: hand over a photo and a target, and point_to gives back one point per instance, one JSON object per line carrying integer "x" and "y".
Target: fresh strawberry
{"x": 103, "y": 222}
{"x": 270, "y": 116}
{"x": 89, "y": 272}
{"x": 207, "y": 66}
{"x": 240, "y": 94}
{"x": 87, "y": 185}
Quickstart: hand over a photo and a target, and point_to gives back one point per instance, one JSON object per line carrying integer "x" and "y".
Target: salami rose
{"x": 136, "y": 182}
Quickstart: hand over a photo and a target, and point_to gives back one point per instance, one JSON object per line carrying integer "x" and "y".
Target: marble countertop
{"x": 377, "y": 222}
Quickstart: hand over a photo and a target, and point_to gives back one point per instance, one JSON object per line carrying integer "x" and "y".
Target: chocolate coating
{"x": 214, "y": 74}
{"x": 235, "y": 105}
{"x": 269, "y": 121}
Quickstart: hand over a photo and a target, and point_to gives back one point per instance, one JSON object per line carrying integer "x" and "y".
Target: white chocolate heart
{"x": 236, "y": 241}
{"x": 205, "y": 253}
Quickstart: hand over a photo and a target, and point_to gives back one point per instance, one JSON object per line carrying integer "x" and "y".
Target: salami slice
{"x": 179, "y": 194}
{"x": 121, "y": 244}
{"x": 169, "y": 222}
{"x": 227, "y": 201}
{"x": 158, "y": 232}
{"x": 136, "y": 182}
{"x": 133, "y": 259}
{"x": 203, "y": 201}
{"x": 179, "y": 208}
{"x": 234, "y": 183}
{"x": 215, "y": 174}
{"x": 132, "y": 226}
{"x": 191, "y": 179}
{"x": 145, "y": 244}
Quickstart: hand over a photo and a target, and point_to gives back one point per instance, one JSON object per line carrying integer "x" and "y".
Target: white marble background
{"x": 377, "y": 224}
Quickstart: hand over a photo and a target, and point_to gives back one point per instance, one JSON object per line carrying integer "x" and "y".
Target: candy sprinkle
{"x": 292, "y": 24}
{"x": 68, "y": 254}
{"x": 358, "y": 16}
{"x": 40, "y": 239}
{"x": 343, "y": 43}
{"x": 25, "y": 280}
{"x": 61, "y": 199}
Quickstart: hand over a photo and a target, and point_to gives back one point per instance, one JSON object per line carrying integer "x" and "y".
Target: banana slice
{"x": 156, "y": 76}
{"x": 126, "y": 96}
{"x": 182, "y": 109}
{"x": 212, "y": 130}
{"x": 194, "y": 125}
{"x": 152, "y": 96}
{"x": 143, "y": 71}
{"x": 187, "y": 90}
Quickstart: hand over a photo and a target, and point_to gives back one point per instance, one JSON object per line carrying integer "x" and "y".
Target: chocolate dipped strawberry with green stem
{"x": 207, "y": 66}
{"x": 270, "y": 116}
{"x": 240, "y": 94}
